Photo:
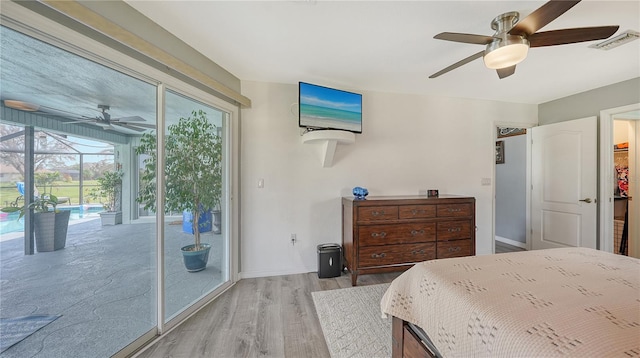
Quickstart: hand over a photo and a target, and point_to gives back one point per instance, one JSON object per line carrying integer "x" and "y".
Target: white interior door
{"x": 564, "y": 184}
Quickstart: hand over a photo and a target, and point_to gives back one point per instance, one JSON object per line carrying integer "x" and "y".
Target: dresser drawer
{"x": 453, "y": 230}
{"x": 392, "y": 233}
{"x": 373, "y": 256}
{"x": 454, "y": 210}
{"x": 417, "y": 211}
{"x": 454, "y": 248}
{"x": 372, "y": 235}
{"x": 377, "y": 213}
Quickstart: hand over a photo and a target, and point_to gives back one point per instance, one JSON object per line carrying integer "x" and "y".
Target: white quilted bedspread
{"x": 574, "y": 302}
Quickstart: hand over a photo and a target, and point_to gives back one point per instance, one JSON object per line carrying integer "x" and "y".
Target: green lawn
{"x": 9, "y": 192}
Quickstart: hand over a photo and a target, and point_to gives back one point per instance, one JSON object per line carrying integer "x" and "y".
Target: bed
{"x": 574, "y": 302}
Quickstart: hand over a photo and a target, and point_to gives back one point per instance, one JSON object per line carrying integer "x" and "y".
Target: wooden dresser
{"x": 391, "y": 233}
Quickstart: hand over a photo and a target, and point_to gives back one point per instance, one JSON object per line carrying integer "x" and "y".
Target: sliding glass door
{"x": 74, "y": 121}
{"x": 170, "y": 153}
{"x": 195, "y": 239}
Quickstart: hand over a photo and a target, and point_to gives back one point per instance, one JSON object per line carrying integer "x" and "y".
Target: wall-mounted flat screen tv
{"x": 329, "y": 108}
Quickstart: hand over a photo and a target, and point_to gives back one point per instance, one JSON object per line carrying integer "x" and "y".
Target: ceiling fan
{"x": 512, "y": 39}
{"x": 106, "y": 122}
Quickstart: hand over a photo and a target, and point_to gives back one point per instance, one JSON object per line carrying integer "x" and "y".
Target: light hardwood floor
{"x": 263, "y": 317}
{"x": 259, "y": 317}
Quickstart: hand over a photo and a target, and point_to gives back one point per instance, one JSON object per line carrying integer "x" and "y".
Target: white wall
{"x": 409, "y": 142}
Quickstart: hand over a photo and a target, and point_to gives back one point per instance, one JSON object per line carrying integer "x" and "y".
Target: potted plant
{"x": 49, "y": 224}
{"x": 109, "y": 185}
{"x": 193, "y": 172}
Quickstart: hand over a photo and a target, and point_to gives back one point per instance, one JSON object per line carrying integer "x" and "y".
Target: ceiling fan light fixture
{"x": 505, "y": 53}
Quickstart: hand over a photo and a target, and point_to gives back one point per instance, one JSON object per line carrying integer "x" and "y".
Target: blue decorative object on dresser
{"x": 360, "y": 193}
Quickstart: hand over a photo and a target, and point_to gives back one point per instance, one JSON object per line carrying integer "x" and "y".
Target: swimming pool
{"x": 9, "y": 221}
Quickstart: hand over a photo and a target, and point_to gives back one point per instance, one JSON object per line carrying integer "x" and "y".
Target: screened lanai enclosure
{"x": 67, "y": 119}
{"x": 61, "y": 165}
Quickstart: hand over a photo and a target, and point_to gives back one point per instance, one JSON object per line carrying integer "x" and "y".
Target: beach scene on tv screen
{"x": 322, "y": 107}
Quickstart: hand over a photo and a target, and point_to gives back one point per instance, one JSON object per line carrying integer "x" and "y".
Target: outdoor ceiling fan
{"x": 512, "y": 39}
{"x": 106, "y": 122}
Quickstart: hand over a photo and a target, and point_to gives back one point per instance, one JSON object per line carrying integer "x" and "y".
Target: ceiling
{"x": 380, "y": 46}
{"x": 388, "y": 46}
{"x": 71, "y": 89}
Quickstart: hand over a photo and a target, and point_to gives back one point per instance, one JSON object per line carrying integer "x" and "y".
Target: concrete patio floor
{"x": 102, "y": 283}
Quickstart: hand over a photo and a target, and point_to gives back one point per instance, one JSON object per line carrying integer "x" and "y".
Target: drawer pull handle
{"x": 416, "y": 212}
{"x": 378, "y": 256}
{"x": 378, "y": 234}
{"x": 421, "y": 252}
{"x": 453, "y": 210}
{"x": 416, "y": 232}
{"x": 454, "y": 249}
{"x": 377, "y": 213}
{"x": 454, "y": 229}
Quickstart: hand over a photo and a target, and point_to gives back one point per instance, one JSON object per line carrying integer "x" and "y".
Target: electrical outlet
{"x": 294, "y": 239}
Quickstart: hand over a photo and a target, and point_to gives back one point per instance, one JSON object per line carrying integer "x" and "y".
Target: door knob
{"x": 587, "y": 200}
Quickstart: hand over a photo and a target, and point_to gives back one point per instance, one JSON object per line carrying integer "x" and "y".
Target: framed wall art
{"x": 510, "y": 132}
{"x": 500, "y": 152}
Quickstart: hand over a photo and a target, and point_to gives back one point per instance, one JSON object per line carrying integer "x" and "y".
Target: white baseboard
{"x": 255, "y": 274}
{"x": 511, "y": 242}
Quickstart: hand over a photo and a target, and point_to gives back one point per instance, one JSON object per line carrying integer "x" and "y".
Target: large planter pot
{"x": 195, "y": 261}
{"x": 51, "y": 230}
{"x": 111, "y": 218}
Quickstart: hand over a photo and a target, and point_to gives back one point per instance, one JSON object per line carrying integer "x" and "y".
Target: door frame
{"x": 496, "y": 125}
{"x": 605, "y": 179}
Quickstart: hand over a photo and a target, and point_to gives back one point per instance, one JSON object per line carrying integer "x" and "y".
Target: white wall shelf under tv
{"x": 329, "y": 139}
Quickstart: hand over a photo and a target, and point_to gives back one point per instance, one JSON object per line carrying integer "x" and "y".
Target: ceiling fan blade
{"x": 569, "y": 36}
{"x": 542, "y": 16}
{"x": 80, "y": 121}
{"x": 129, "y": 119}
{"x": 506, "y": 72}
{"x": 141, "y": 125}
{"x": 127, "y": 126}
{"x": 464, "y": 38}
{"x": 458, "y": 64}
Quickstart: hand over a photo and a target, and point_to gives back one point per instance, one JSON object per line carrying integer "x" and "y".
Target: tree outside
{"x": 12, "y": 150}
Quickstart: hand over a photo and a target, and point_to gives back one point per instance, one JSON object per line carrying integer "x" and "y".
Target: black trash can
{"x": 329, "y": 260}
